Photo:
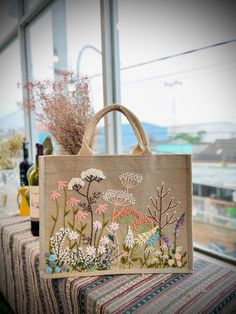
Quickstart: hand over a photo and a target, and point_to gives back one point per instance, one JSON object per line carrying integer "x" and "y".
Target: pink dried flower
{"x": 81, "y": 215}
{"x": 63, "y": 107}
{"x": 101, "y": 208}
{"x": 54, "y": 196}
{"x": 73, "y": 201}
{"x": 61, "y": 185}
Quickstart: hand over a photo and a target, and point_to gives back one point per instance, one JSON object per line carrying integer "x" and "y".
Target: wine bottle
{"x": 24, "y": 165}
{"x": 34, "y": 192}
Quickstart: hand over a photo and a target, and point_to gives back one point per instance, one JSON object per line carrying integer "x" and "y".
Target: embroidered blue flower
{"x": 52, "y": 258}
{"x": 151, "y": 241}
{"x": 52, "y": 264}
{"x": 57, "y": 269}
{"x": 48, "y": 270}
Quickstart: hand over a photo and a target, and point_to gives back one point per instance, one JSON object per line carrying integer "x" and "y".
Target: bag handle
{"x": 143, "y": 142}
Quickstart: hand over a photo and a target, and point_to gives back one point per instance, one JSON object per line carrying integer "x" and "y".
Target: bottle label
{"x": 34, "y": 203}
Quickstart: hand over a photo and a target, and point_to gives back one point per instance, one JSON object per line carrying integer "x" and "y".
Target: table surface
{"x": 210, "y": 289}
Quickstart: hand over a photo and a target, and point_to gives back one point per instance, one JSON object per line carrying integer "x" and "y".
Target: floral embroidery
{"x": 81, "y": 215}
{"x": 75, "y": 183}
{"x": 101, "y": 208}
{"x": 130, "y": 180}
{"x": 61, "y": 185}
{"x": 129, "y": 240}
{"x": 93, "y": 174}
{"x": 73, "y": 201}
{"x": 118, "y": 198}
{"x": 54, "y": 196}
{"x": 100, "y": 235}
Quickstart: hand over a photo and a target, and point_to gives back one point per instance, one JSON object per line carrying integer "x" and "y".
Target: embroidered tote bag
{"x": 115, "y": 214}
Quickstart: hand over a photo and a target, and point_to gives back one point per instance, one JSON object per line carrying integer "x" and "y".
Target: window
{"x": 178, "y": 71}
{"x": 11, "y": 123}
{"x": 84, "y": 52}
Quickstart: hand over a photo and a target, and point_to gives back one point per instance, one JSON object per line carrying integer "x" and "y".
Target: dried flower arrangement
{"x": 62, "y": 107}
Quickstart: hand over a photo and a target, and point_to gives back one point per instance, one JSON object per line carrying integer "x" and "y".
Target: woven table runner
{"x": 210, "y": 289}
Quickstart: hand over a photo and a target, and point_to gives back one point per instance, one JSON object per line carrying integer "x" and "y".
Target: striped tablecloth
{"x": 210, "y": 289}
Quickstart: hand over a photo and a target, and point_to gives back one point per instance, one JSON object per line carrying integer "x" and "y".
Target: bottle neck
{"x": 36, "y": 161}
{"x": 39, "y": 153}
{"x": 25, "y": 151}
{"x": 26, "y": 154}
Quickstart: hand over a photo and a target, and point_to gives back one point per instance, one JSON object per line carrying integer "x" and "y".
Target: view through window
{"x": 178, "y": 75}
{"x": 11, "y": 124}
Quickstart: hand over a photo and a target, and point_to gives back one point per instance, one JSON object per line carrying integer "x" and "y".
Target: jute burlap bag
{"x": 116, "y": 214}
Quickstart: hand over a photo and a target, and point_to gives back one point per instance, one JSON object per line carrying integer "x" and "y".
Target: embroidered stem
{"x": 100, "y": 235}
{"x": 80, "y": 235}
{"x": 65, "y": 199}
{"x": 74, "y": 212}
{"x": 56, "y": 218}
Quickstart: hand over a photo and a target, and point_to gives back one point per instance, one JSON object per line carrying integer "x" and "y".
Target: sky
{"x": 194, "y": 88}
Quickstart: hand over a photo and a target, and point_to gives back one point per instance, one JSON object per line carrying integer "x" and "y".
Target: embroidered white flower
{"x": 118, "y": 197}
{"x": 101, "y": 249}
{"x": 98, "y": 174}
{"x": 57, "y": 242}
{"x": 165, "y": 257}
{"x": 130, "y": 180}
{"x": 105, "y": 240}
{"x": 129, "y": 240}
{"x": 91, "y": 250}
{"x": 114, "y": 227}
{"x": 73, "y": 235}
{"x": 164, "y": 246}
{"x": 75, "y": 182}
{"x": 149, "y": 249}
{"x": 179, "y": 249}
{"x": 157, "y": 253}
{"x": 153, "y": 261}
{"x": 97, "y": 225}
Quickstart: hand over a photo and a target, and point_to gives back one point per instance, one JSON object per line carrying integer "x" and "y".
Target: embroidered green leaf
{"x": 111, "y": 237}
{"x": 53, "y": 218}
{"x": 70, "y": 224}
{"x": 123, "y": 260}
{"x": 105, "y": 223}
{"x": 184, "y": 254}
{"x": 125, "y": 248}
{"x": 135, "y": 259}
{"x": 83, "y": 227}
{"x": 66, "y": 213}
{"x": 79, "y": 231}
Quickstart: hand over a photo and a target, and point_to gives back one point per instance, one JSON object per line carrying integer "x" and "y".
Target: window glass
{"x": 85, "y": 53}
{"x": 64, "y": 39}
{"x": 40, "y": 61}
{"x": 8, "y": 17}
{"x": 186, "y": 101}
{"x": 11, "y": 125}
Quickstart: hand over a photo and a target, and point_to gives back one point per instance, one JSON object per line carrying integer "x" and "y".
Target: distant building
{"x": 220, "y": 150}
{"x": 155, "y": 133}
{"x": 214, "y": 130}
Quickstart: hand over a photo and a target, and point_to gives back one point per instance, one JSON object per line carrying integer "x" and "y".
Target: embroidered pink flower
{"x": 61, "y": 185}
{"x": 73, "y": 201}
{"x": 81, "y": 215}
{"x": 101, "y": 208}
{"x": 54, "y": 196}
